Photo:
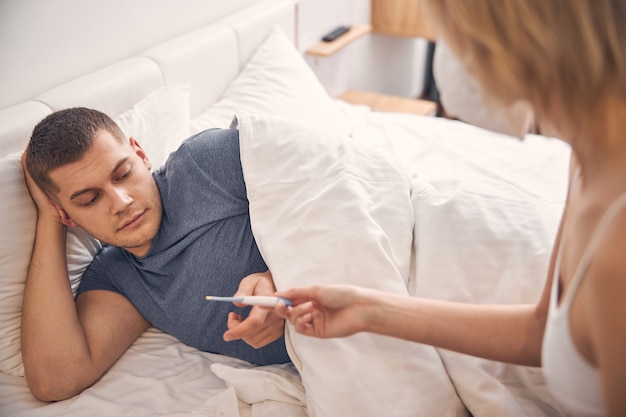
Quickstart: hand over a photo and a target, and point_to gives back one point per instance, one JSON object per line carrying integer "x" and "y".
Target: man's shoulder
{"x": 212, "y": 138}
{"x": 105, "y": 269}
{"x": 110, "y": 255}
{"x": 209, "y": 150}
{"x": 209, "y": 160}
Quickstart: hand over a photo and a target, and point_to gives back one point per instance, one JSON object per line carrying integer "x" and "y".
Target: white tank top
{"x": 571, "y": 378}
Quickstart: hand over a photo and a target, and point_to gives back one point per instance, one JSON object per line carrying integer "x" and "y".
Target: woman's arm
{"x": 508, "y": 333}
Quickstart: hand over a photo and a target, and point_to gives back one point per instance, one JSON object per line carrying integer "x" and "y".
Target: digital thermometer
{"x": 253, "y": 300}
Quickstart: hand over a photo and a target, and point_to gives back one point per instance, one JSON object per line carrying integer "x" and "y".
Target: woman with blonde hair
{"x": 567, "y": 59}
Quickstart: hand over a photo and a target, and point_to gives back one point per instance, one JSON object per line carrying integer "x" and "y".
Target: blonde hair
{"x": 561, "y": 56}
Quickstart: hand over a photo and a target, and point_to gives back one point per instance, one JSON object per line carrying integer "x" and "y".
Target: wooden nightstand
{"x": 408, "y": 18}
{"x": 384, "y": 102}
{"x": 325, "y": 49}
{"x": 376, "y": 101}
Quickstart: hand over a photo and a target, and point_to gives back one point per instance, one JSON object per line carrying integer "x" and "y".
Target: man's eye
{"x": 125, "y": 174}
{"x": 92, "y": 201}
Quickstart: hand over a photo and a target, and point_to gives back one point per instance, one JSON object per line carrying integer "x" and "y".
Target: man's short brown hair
{"x": 63, "y": 137}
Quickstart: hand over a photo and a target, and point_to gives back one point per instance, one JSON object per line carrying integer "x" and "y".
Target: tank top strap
{"x": 596, "y": 238}
{"x": 559, "y": 253}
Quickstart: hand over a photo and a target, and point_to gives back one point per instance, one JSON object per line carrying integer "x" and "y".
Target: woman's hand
{"x": 326, "y": 311}
{"x": 262, "y": 326}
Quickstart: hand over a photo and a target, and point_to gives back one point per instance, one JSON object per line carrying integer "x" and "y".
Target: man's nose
{"x": 121, "y": 199}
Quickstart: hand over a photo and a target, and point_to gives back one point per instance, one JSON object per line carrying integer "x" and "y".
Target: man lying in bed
{"x": 171, "y": 237}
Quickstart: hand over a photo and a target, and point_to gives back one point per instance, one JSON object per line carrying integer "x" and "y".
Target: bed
{"x": 409, "y": 204}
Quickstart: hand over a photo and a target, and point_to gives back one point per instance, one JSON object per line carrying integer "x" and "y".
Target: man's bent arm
{"x": 67, "y": 345}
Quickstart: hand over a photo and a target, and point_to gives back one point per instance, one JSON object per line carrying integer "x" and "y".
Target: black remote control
{"x": 336, "y": 33}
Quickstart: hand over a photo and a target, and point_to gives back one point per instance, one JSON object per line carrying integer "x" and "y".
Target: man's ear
{"x": 65, "y": 218}
{"x": 140, "y": 152}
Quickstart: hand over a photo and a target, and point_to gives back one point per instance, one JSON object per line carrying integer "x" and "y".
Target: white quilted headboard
{"x": 109, "y": 55}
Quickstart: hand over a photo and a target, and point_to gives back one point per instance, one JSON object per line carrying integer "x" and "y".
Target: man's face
{"x": 111, "y": 194}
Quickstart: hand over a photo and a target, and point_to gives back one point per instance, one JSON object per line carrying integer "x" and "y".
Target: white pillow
{"x": 329, "y": 209}
{"x": 18, "y": 229}
{"x": 159, "y": 122}
{"x": 276, "y": 81}
{"x": 18, "y": 233}
{"x": 162, "y": 119}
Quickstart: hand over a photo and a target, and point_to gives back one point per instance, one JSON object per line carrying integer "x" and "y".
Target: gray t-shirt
{"x": 204, "y": 247}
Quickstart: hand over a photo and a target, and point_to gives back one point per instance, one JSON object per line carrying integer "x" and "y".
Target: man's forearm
{"x": 53, "y": 342}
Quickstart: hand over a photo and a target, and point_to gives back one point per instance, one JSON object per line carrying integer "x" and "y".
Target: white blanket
{"x": 263, "y": 391}
{"x": 432, "y": 214}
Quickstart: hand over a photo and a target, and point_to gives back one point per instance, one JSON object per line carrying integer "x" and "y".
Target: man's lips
{"x": 134, "y": 221}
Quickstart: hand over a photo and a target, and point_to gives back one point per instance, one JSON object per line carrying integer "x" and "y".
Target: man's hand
{"x": 262, "y": 326}
{"x": 45, "y": 207}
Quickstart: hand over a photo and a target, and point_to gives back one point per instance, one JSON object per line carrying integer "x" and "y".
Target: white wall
{"x": 54, "y": 31}
{"x": 379, "y": 63}
{"x": 374, "y": 62}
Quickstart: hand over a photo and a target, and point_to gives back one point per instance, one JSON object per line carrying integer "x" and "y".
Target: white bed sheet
{"x": 160, "y": 376}
{"x": 157, "y": 376}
